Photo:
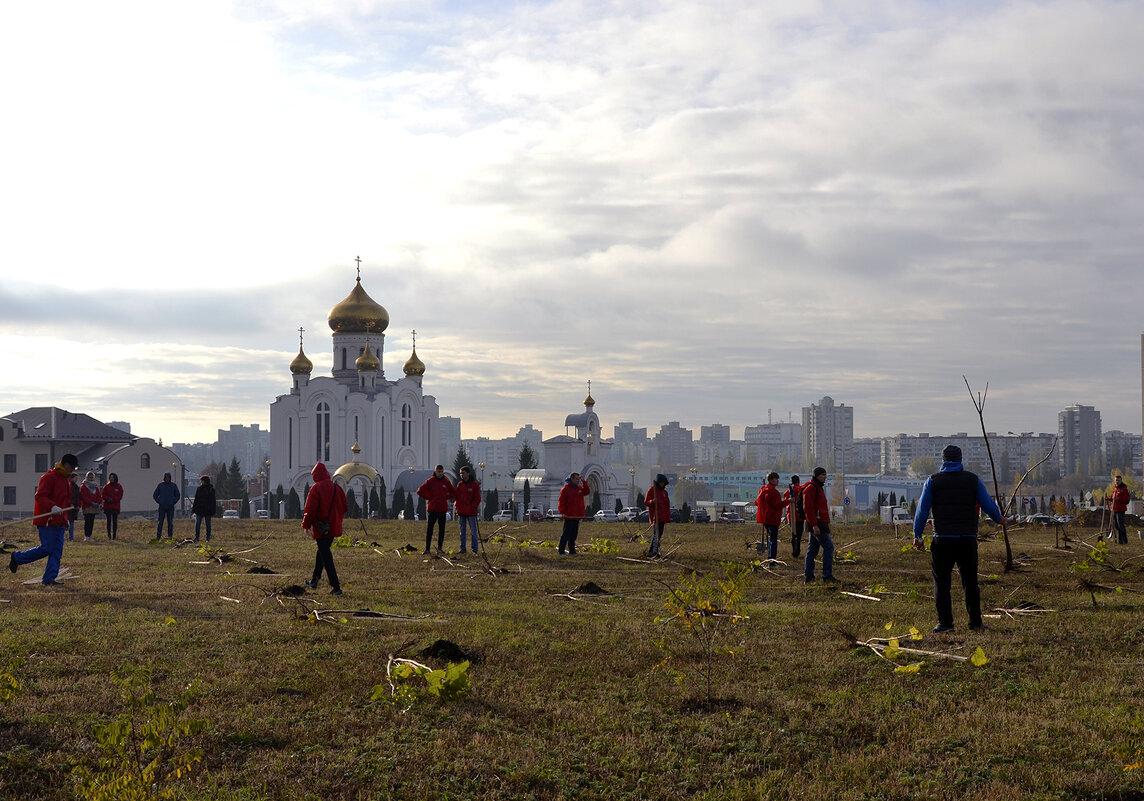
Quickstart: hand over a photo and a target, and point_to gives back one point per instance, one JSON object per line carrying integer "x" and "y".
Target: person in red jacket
{"x": 658, "y": 505}
{"x": 770, "y": 513}
{"x": 1118, "y": 504}
{"x": 816, "y": 507}
{"x": 326, "y": 505}
{"x": 437, "y": 492}
{"x": 112, "y": 498}
{"x": 468, "y": 505}
{"x": 570, "y": 505}
{"x": 90, "y": 499}
{"x": 53, "y": 500}
{"x": 795, "y": 515}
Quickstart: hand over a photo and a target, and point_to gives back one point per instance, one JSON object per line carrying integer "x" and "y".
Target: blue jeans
{"x": 820, "y": 540}
{"x": 471, "y": 520}
{"x": 772, "y": 541}
{"x": 169, "y": 516}
{"x": 71, "y": 528}
{"x": 51, "y": 545}
{"x": 198, "y": 524}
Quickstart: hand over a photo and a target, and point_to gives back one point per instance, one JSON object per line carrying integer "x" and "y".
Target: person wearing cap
{"x": 1118, "y": 505}
{"x": 953, "y": 495}
{"x": 166, "y": 494}
{"x": 658, "y": 505}
{"x": 795, "y": 516}
{"x": 570, "y": 505}
{"x": 816, "y": 507}
{"x": 50, "y": 516}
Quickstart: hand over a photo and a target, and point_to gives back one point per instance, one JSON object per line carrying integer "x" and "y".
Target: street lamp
{"x": 267, "y": 465}
{"x": 482, "y": 466}
{"x": 632, "y": 492}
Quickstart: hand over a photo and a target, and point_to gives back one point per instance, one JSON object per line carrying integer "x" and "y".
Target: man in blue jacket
{"x": 954, "y": 495}
{"x": 166, "y": 495}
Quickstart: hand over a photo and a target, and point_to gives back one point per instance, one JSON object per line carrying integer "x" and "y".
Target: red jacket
{"x": 658, "y": 505}
{"x": 325, "y": 501}
{"x": 88, "y": 498}
{"x": 815, "y": 503}
{"x": 571, "y": 500}
{"x": 770, "y": 505}
{"x": 437, "y": 492}
{"x": 468, "y": 495}
{"x": 54, "y": 489}
{"x": 112, "y": 495}
{"x": 788, "y": 499}
{"x": 1118, "y": 501}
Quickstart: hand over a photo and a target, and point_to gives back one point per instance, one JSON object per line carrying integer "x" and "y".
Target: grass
{"x": 564, "y": 701}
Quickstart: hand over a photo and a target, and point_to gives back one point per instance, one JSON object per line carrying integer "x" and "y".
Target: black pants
{"x": 796, "y": 537}
{"x": 325, "y": 559}
{"x": 568, "y": 535}
{"x": 439, "y": 519}
{"x": 89, "y": 525}
{"x": 112, "y": 525}
{"x": 1121, "y": 530}
{"x": 945, "y": 552}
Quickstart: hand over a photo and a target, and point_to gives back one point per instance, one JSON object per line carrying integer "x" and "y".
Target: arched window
{"x": 144, "y": 461}
{"x": 406, "y": 424}
{"x": 290, "y": 444}
{"x": 322, "y": 420}
{"x": 343, "y": 358}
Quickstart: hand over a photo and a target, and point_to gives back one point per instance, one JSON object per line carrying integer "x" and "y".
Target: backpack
{"x": 798, "y": 507}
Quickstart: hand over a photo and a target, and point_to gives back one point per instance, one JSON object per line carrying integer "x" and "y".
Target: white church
{"x": 362, "y": 426}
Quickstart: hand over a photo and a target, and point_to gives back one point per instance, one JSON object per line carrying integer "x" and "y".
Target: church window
{"x": 145, "y": 461}
{"x": 322, "y": 451}
{"x": 290, "y": 444}
{"x": 406, "y": 424}
{"x": 343, "y": 358}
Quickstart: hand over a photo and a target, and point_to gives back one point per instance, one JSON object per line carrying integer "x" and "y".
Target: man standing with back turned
{"x": 954, "y": 494}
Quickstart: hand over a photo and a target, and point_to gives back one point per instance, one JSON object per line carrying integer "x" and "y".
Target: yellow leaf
{"x": 914, "y": 633}
{"x": 892, "y": 649}
{"x": 911, "y": 668}
{"x": 888, "y": 626}
{"x": 979, "y": 658}
{"x": 169, "y": 621}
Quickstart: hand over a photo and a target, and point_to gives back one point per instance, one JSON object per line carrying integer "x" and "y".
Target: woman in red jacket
{"x": 90, "y": 498}
{"x": 112, "y": 498}
{"x": 770, "y": 513}
{"x": 325, "y": 507}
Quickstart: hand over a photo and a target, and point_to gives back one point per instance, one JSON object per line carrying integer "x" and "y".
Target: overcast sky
{"x": 716, "y": 211}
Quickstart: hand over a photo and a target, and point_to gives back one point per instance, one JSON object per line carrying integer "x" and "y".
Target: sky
{"x": 715, "y": 211}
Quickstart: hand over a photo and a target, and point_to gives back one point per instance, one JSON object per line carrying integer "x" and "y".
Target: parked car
{"x": 643, "y": 516}
{"x": 605, "y": 516}
{"x": 628, "y": 514}
{"x": 1042, "y": 520}
{"x": 502, "y": 516}
{"x": 552, "y": 514}
{"x": 535, "y": 515}
{"x": 700, "y": 516}
{"x": 729, "y": 517}
{"x": 230, "y": 514}
{"x": 263, "y": 514}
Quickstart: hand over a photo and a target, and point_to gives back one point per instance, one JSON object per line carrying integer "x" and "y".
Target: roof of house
{"x": 51, "y": 423}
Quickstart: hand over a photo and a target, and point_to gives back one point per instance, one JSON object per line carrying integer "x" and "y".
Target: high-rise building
{"x": 828, "y": 434}
{"x": 1079, "y": 440}
{"x": 715, "y": 434}
{"x": 450, "y": 428}
{"x": 674, "y": 445}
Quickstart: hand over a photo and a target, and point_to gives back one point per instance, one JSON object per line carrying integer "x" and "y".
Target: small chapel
{"x": 364, "y": 427}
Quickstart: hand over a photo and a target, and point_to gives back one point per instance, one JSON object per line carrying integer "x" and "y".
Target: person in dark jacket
{"x": 816, "y": 507}
{"x": 953, "y": 495}
{"x": 166, "y": 494}
{"x": 204, "y": 505}
{"x": 437, "y": 491}
{"x": 570, "y": 504}
{"x": 795, "y": 515}
{"x": 326, "y": 505}
{"x": 468, "y": 505}
{"x": 112, "y": 499}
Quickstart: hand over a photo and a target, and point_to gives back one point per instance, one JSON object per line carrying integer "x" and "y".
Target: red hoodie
{"x": 325, "y": 501}
{"x": 468, "y": 494}
{"x": 112, "y": 496}
{"x": 437, "y": 493}
{"x": 54, "y": 489}
{"x": 570, "y": 504}
{"x": 770, "y": 505}
{"x": 658, "y": 504}
{"x": 1119, "y": 499}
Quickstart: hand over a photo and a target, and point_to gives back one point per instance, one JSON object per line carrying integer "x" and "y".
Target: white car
{"x": 606, "y": 516}
{"x": 230, "y": 514}
{"x": 502, "y": 516}
{"x": 628, "y": 514}
{"x": 263, "y": 514}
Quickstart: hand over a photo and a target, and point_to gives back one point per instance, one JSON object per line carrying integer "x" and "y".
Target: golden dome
{"x": 367, "y": 361}
{"x": 589, "y": 401}
{"x": 351, "y": 470}
{"x": 414, "y": 366}
{"x": 358, "y": 313}
{"x": 301, "y": 364}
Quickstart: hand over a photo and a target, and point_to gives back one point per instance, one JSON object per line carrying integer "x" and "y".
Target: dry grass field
{"x": 565, "y": 700}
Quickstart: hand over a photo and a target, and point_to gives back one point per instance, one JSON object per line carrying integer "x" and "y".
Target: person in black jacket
{"x": 204, "y": 506}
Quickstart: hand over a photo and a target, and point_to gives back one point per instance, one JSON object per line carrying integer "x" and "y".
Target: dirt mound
{"x": 449, "y": 651}
{"x": 293, "y": 591}
{"x": 591, "y": 588}
{"x": 261, "y": 569}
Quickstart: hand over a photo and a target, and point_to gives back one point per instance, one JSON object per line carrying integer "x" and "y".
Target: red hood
{"x": 320, "y": 473}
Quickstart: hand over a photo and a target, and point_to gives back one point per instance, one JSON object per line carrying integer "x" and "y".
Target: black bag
{"x": 798, "y": 507}
{"x": 322, "y": 527}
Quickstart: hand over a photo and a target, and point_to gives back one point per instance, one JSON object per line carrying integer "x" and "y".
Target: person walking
{"x": 953, "y": 494}
{"x": 73, "y": 479}
{"x": 112, "y": 499}
{"x": 204, "y": 505}
{"x": 570, "y": 505}
{"x": 468, "y": 506}
{"x": 326, "y": 506}
{"x": 437, "y": 492}
{"x": 90, "y": 498}
{"x": 1118, "y": 505}
{"x": 795, "y": 515}
{"x": 53, "y": 497}
{"x": 658, "y": 505}
{"x": 816, "y": 507}
{"x": 166, "y": 494}
{"x": 770, "y": 514}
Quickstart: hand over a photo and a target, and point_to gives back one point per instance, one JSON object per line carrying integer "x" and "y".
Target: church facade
{"x": 361, "y": 425}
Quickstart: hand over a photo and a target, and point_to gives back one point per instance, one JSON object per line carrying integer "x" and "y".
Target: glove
{"x": 56, "y": 510}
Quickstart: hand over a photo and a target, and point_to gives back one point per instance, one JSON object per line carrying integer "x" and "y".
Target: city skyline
{"x": 709, "y": 212}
